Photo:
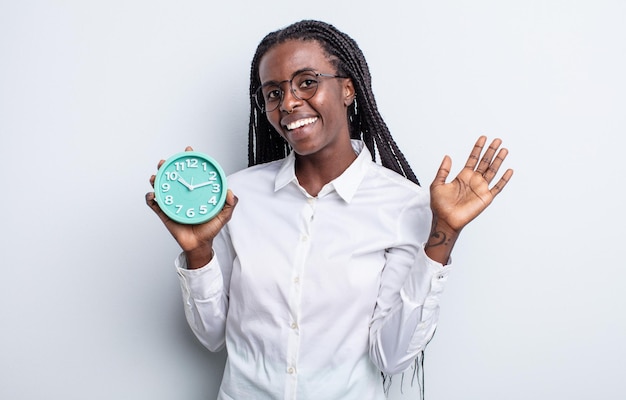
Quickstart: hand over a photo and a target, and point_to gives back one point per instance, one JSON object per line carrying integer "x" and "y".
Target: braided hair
{"x": 364, "y": 120}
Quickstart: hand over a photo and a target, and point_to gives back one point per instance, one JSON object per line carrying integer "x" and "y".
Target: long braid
{"x": 365, "y": 121}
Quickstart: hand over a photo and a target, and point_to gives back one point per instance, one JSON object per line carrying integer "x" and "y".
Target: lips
{"x": 300, "y": 123}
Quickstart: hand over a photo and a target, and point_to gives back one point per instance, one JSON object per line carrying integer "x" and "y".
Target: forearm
{"x": 440, "y": 241}
{"x": 405, "y": 318}
{"x": 405, "y": 333}
{"x": 205, "y": 302}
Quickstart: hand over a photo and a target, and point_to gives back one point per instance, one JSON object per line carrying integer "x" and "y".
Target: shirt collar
{"x": 345, "y": 184}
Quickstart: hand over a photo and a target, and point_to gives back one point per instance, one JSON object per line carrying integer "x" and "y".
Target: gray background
{"x": 94, "y": 93}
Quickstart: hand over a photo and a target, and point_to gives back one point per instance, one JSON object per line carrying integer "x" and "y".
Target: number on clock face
{"x": 190, "y": 187}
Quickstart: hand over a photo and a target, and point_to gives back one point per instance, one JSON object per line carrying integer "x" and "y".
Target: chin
{"x": 304, "y": 147}
{"x": 303, "y": 151}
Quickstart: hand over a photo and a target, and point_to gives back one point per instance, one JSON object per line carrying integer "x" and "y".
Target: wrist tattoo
{"x": 438, "y": 238}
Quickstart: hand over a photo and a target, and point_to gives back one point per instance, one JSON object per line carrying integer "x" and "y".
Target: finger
{"x": 443, "y": 172}
{"x": 502, "y": 182}
{"x": 485, "y": 162}
{"x": 493, "y": 168}
{"x": 231, "y": 199}
{"x": 152, "y": 203}
{"x": 474, "y": 156}
{"x": 152, "y": 179}
{"x": 188, "y": 148}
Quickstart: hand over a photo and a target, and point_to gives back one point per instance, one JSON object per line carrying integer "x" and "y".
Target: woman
{"x": 327, "y": 268}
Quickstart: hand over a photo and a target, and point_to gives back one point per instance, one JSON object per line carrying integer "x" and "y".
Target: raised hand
{"x": 457, "y": 203}
{"x": 463, "y": 199}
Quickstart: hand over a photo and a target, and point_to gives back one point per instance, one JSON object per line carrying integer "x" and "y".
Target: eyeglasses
{"x": 303, "y": 85}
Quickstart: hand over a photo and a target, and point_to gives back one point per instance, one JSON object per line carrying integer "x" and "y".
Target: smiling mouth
{"x": 300, "y": 123}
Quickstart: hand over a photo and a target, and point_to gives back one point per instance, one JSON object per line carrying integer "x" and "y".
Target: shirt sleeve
{"x": 407, "y": 308}
{"x": 205, "y": 296}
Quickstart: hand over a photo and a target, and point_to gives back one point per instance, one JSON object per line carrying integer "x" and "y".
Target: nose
{"x": 289, "y": 101}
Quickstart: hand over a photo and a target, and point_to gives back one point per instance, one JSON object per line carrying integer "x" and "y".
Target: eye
{"x": 308, "y": 83}
{"x": 272, "y": 93}
{"x": 304, "y": 81}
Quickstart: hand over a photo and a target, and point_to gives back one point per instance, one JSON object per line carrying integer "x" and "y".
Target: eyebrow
{"x": 306, "y": 69}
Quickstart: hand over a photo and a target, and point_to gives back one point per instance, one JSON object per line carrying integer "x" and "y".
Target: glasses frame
{"x": 259, "y": 98}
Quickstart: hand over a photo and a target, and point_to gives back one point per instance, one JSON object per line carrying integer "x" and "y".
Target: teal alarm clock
{"x": 190, "y": 187}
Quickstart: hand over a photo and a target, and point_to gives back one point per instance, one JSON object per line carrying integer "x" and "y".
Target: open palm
{"x": 460, "y": 201}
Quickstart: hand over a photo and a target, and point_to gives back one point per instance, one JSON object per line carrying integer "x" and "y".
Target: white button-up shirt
{"x": 314, "y": 296}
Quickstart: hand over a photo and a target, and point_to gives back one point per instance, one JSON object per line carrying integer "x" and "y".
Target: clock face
{"x": 190, "y": 187}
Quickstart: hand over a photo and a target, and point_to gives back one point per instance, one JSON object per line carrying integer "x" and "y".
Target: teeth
{"x": 301, "y": 122}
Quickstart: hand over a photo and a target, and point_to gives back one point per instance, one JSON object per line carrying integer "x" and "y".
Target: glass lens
{"x": 268, "y": 97}
{"x": 303, "y": 86}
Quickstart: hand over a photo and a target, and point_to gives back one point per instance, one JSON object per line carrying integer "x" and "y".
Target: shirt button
{"x": 304, "y": 238}
{"x": 290, "y": 370}
{"x": 296, "y": 280}
{"x": 294, "y": 325}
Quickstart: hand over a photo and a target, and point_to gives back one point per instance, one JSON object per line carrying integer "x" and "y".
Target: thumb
{"x": 229, "y": 206}
{"x": 443, "y": 171}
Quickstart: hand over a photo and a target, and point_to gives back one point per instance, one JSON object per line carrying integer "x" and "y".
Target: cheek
{"x": 330, "y": 110}
{"x": 274, "y": 120}
{"x": 328, "y": 104}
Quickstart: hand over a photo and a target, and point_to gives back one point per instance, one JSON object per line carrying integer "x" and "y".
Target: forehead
{"x": 282, "y": 60}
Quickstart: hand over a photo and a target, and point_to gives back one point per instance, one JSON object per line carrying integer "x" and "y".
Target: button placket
{"x": 295, "y": 297}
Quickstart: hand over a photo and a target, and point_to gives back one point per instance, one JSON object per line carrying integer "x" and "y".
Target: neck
{"x": 315, "y": 171}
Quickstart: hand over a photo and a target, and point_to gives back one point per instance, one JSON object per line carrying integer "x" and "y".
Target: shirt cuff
{"x": 201, "y": 283}
{"x": 425, "y": 282}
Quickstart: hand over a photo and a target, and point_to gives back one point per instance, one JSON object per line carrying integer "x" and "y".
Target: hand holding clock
{"x": 196, "y": 239}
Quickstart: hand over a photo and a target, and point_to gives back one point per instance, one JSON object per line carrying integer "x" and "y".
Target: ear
{"x": 349, "y": 92}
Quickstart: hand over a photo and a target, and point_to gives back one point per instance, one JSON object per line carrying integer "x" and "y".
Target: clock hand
{"x": 186, "y": 184}
{"x": 203, "y": 184}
